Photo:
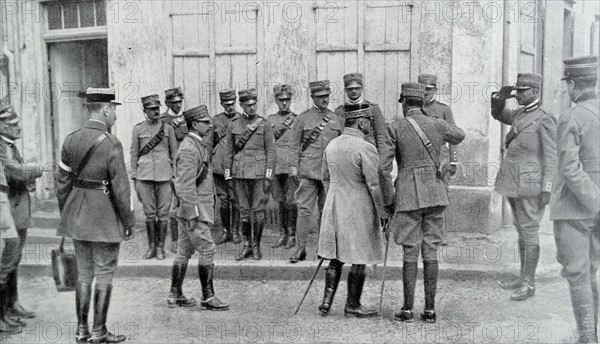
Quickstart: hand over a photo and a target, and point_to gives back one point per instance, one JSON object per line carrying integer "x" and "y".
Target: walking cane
{"x": 387, "y": 246}
{"x": 309, "y": 284}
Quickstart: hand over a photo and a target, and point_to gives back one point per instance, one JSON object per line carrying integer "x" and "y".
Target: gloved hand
{"x": 267, "y": 185}
{"x": 451, "y": 169}
{"x": 504, "y": 93}
{"x": 544, "y": 198}
{"x": 129, "y": 234}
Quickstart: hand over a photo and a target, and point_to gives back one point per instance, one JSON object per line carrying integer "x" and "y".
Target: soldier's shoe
{"x": 404, "y": 315}
{"x": 281, "y": 241}
{"x": 160, "y": 253}
{"x": 106, "y": 337}
{"x": 235, "y": 237}
{"x": 82, "y": 334}
{"x": 18, "y": 311}
{"x": 225, "y": 237}
{"x": 180, "y": 301}
{"x": 150, "y": 253}
{"x": 511, "y": 284}
{"x": 13, "y": 320}
{"x": 299, "y": 255}
{"x": 291, "y": 241}
{"x": 523, "y": 293}
{"x": 429, "y": 316}
{"x": 7, "y": 329}
{"x": 214, "y": 304}
{"x": 359, "y": 312}
{"x": 256, "y": 253}
{"x": 246, "y": 253}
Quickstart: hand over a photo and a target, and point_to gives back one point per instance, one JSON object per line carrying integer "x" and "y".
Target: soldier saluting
{"x": 153, "y": 149}
{"x": 174, "y": 117}
{"x": 286, "y": 172}
{"x": 96, "y": 210}
{"x": 316, "y": 127}
{"x": 249, "y": 161}
{"x": 194, "y": 189}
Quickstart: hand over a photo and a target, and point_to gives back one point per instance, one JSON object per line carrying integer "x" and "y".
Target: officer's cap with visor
{"x": 227, "y": 97}
{"x": 197, "y": 114}
{"x": 411, "y": 90}
{"x": 173, "y": 95}
{"x": 100, "y": 95}
{"x": 283, "y": 91}
{"x": 248, "y": 97}
{"x": 8, "y": 114}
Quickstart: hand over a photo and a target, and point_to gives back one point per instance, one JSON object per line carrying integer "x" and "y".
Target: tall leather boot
{"x": 594, "y": 283}
{"x": 332, "y": 280}
{"x": 174, "y": 234}
{"x": 226, "y": 235}
{"x": 235, "y": 224}
{"x": 83, "y": 297}
{"x": 176, "y": 297}
{"x": 283, "y": 224}
{"x": 292, "y": 217}
{"x": 151, "y": 230}
{"x": 515, "y": 283}
{"x": 527, "y": 289}
{"x": 430, "y": 278}
{"x": 356, "y": 282}
{"x": 160, "y": 239}
{"x": 6, "y": 328}
{"x": 209, "y": 300}
{"x": 582, "y": 301}
{"x": 409, "y": 281}
{"x": 257, "y": 237}
{"x": 246, "y": 235}
{"x": 14, "y": 306}
{"x": 100, "y": 333}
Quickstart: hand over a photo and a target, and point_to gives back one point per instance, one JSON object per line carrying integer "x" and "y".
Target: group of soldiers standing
{"x": 336, "y": 163}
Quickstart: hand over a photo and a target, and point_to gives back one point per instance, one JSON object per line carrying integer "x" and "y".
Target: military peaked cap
{"x": 173, "y": 95}
{"x": 353, "y": 80}
{"x": 528, "y": 80}
{"x": 357, "y": 111}
{"x": 197, "y": 114}
{"x": 151, "y": 101}
{"x": 283, "y": 91}
{"x": 248, "y": 96}
{"x": 412, "y": 89}
{"x": 227, "y": 96}
{"x": 8, "y": 114}
{"x": 100, "y": 95}
{"x": 319, "y": 88}
{"x": 429, "y": 80}
{"x": 581, "y": 66}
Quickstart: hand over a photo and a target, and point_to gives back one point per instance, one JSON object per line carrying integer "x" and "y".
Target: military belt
{"x": 286, "y": 125}
{"x": 241, "y": 141}
{"x": 4, "y": 188}
{"x": 153, "y": 142}
{"x": 315, "y": 133}
{"x": 92, "y": 184}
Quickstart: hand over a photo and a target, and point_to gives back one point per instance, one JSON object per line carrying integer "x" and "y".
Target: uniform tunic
{"x": 350, "y": 230}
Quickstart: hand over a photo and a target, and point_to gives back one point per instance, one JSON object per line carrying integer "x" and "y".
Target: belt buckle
{"x": 105, "y": 183}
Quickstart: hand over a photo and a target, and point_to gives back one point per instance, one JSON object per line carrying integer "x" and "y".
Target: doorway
{"x": 74, "y": 66}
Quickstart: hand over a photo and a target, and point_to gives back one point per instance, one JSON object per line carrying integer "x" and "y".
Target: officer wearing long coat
{"x": 527, "y": 171}
{"x": 421, "y": 195}
{"x": 153, "y": 149}
{"x": 174, "y": 117}
{"x": 316, "y": 127}
{"x": 350, "y": 226}
{"x": 286, "y": 172}
{"x": 20, "y": 178}
{"x": 96, "y": 210}
{"x": 228, "y": 208}
{"x": 575, "y": 202}
{"x": 249, "y": 160}
{"x": 195, "y": 192}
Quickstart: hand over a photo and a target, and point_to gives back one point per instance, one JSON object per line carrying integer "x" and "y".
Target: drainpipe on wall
{"x": 506, "y": 218}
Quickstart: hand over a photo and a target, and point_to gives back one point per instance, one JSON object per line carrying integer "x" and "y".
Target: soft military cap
{"x": 353, "y": 80}
{"x": 526, "y": 81}
{"x": 197, "y": 114}
{"x": 173, "y": 95}
{"x": 412, "y": 89}
{"x": 8, "y": 114}
{"x": 227, "y": 97}
{"x": 357, "y": 111}
{"x": 581, "y": 66}
{"x": 151, "y": 101}
{"x": 319, "y": 88}
{"x": 100, "y": 95}
{"x": 282, "y": 91}
{"x": 248, "y": 96}
{"x": 429, "y": 80}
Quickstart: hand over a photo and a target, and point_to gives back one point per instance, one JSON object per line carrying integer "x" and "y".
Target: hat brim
{"x": 228, "y": 102}
{"x": 321, "y": 93}
{"x": 174, "y": 100}
{"x": 110, "y": 102}
{"x": 281, "y": 97}
{"x": 151, "y": 106}
{"x": 522, "y": 87}
{"x": 249, "y": 102}
{"x": 353, "y": 84}
{"x": 431, "y": 87}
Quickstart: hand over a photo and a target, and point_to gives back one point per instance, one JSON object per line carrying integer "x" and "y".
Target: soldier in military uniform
{"x": 195, "y": 190}
{"x": 353, "y": 86}
{"x": 421, "y": 195}
{"x": 249, "y": 160}
{"x": 174, "y": 117}
{"x": 314, "y": 129}
{"x": 286, "y": 173}
{"x": 526, "y": 172}
{"x": 350, "y": 229}
{"x": 96, "y": 210}
{"x": 20, "y": 177}
{"x": 153, "y": 150}
{"x": 228, "y": 209}
{"x": 575, "y": 201}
